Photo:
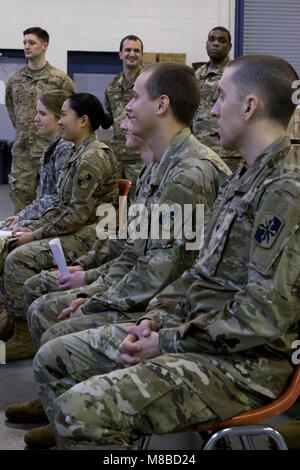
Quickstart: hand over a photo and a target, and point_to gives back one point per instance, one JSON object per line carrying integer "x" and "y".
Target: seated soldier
{"x": 48, "y": 114}
{"x": 218, "y": 341}
{"x": 88, "y": 178}
{"x": 183, "y": 172}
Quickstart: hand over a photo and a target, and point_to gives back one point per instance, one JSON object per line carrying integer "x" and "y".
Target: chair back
{"x": 124, "y": 187}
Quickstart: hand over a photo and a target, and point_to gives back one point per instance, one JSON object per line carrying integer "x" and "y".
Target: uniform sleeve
{"x": 68, "y": 85}
{"x": 64, "y": 217}
{"x": 268, "y": 306}
{"x": 149, "y": 265}
{"x": 9, "y": 103}
{"x": 108, "y": 115}
{"x": 37, "y": 207}
{"x": 102, "y": 252}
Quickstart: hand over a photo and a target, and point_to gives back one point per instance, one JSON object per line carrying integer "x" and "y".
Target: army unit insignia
{"x": 267, "y": 230}
{"x": 84, "y": 179}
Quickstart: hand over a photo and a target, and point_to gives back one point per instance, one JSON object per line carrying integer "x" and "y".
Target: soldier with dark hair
{"x": 218, "y": 47}
{"x": 88, "y": 178}
{"x": 218, "y": 340}
{"x": 183, "y": 173}
{"x": 117, "y": 94}
{"x": 23, "y": 89}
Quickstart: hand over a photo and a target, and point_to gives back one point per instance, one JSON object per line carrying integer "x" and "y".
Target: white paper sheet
{"x": 58, "y": 254}
{"x": 5, "y": 233}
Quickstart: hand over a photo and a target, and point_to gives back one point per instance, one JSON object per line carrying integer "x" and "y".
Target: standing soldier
{"x": 218, "y": 46}
{"x": 118, "y": 93}
{"x": 23, "y": 89}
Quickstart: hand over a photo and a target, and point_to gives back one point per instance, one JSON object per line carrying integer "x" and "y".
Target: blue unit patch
{"x": 267, "y": 230}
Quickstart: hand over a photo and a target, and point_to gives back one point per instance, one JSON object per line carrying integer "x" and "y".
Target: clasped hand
{"x": 141, "y": 343}
{"x": 74, "y": 309}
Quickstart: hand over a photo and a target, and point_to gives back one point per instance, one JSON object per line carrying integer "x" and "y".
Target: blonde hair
{"x": 53, "y": 101}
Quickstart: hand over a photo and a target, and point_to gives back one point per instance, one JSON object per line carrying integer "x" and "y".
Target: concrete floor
{"x": 17, "y": 385}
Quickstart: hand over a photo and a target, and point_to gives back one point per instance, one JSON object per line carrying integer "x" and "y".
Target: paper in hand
{"x": 5, "y": 233}
{"x": 58, "y": 254}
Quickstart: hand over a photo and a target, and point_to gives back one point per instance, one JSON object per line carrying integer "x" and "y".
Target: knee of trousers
{"x": 31, "y": 291}
{"x": 11, "y": 262}
{"x": 14, "y": 257}
{"x": 32, "y": 312}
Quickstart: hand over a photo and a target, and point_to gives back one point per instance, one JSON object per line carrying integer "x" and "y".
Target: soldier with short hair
{"x": 183, "y": 172}
{"x": 23, "y": 89}
{"x": 218, "y": 47}
{"x": 87, "y": 179}
{"x": 118, "y": 93}
{"x": 218, "y": 341}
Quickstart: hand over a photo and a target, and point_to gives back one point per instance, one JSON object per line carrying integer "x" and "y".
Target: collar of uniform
{"x": 124, "y": 83}
{"x": 82, "y": 147}
{"x": 171, "y": 149}
{"x": 36, "y": 73}
{"x": 52, "y": 145}
{"x": 266, "y": 160}
{"x": 205, "y": 69}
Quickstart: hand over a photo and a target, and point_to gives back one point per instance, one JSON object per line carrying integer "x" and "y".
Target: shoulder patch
{"x": 268, "y": 228}
{"x": 84, "y": 179}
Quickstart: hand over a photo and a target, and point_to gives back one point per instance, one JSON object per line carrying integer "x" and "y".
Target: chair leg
{"x": 144, "y": 442}
{"x": 245, "y": 434}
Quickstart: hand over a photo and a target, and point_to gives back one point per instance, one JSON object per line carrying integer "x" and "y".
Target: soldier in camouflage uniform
{"x": 51, "y": 164}
{"x": 88, "y": 178}
{"x": 218, "y": 46}
{"x": 48, "y": 114}
{"x": 118, "y": 93}
{"x": 23, "y": 89}
{"x": 187, "y": 172}
{"x": 218, "y": 341}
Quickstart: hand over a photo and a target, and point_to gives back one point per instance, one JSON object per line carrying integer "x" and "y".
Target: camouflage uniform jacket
{"x": 88, "y": 178}
{"x": 23, "y": 89}
{"x": 118, "y": 93}
{"x": 205, "y": 125}
{"x": 188, "y": 173}
{"x": 239, "y": 304}
{"x": 51, "y": 164}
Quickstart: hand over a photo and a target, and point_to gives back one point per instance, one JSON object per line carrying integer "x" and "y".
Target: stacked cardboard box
{"x": 149, "y": 58}
{"x": 153, "y": 57}
{"x": 171, "y": 57}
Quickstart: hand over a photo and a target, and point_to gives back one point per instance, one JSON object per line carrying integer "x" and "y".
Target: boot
{"x": 28, "y": 412}
{"x": 6, "y": 325}
{"x": 20, "y": 346}
{"x": 41, "y": 438}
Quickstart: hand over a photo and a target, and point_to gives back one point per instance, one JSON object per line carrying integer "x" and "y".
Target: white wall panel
{"x": 98, "y": 25}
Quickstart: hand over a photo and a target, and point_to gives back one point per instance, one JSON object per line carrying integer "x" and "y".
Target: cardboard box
{"x": 171, "y": 57}
{"x": 149, "y": 58}
{"x": 181, "y": 58}
{"x": 165, "y": 57}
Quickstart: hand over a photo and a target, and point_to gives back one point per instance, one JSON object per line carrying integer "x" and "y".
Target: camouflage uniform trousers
{"x": 44, "y": 302}
{"x": 23, "y": 180}
{"x": 95, "y": 402}
{"x": 29, "y": 259}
